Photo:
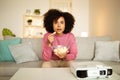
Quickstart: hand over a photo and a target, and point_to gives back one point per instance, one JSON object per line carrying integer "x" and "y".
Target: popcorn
{"x": 60, "y": 49}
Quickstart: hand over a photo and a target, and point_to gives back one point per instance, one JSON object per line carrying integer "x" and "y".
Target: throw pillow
{"x": 107, "y": 51}
{"x": 5, "y": 54}
{"x": 23, "y": 53}
{"x": 36, "y": 44}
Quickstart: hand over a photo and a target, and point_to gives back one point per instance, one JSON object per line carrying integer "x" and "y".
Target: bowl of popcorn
{"x": 60, "y": 49}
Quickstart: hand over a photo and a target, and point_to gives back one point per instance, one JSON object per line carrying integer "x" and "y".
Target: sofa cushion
{"x": 23, "y": 53}
{"x": 5, "y": 77}
{"x": 36, "y": 45}
{"x": 5, "y": 54}
{"x": 86, "y": 46}
{"x": 107, "y": 51}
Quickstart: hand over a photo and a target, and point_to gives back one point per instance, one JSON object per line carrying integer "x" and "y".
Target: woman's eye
{"x": 62, "y": 22}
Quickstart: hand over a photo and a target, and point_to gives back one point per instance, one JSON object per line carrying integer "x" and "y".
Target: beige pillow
{"x": 23, "y": 53}
{"x": 107, "y": 51}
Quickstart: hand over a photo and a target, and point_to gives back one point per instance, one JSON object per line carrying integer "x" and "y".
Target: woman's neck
{"x": 59, "y": 34}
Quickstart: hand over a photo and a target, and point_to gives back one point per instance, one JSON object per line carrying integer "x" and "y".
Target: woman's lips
{"x": 59, "y": 29}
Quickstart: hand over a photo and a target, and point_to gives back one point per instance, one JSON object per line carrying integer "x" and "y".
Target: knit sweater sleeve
{"x": 46, "y": 50}
{"x": 73, "y": 49}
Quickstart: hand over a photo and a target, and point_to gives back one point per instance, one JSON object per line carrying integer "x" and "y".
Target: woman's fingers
{"x": 51, "y": 37}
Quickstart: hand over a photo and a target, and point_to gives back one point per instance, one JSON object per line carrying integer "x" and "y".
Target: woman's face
{"x": 59, "y": 25}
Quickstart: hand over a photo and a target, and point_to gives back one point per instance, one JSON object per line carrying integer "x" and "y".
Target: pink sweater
{"x": 65, "y": 40}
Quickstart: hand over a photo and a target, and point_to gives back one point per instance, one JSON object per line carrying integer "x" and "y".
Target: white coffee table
{"x": 50, "y": 74}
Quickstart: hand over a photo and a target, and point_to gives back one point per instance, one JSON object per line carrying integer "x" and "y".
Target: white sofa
{"x": 86, "y": 52}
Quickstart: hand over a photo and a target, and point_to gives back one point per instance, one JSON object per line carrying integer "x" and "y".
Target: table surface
{"x": 50, "y": 74}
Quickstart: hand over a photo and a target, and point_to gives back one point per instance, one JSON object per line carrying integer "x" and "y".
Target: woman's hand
{"x": 61, "y": 52}
{"x": 51, "y": 38}
{"x": 61, "y": 55}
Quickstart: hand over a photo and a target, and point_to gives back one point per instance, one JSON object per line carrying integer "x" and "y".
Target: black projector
{"x": 87, "y": 70}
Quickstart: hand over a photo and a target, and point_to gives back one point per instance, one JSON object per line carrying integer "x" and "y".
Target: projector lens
{"x": 82, "y": 73}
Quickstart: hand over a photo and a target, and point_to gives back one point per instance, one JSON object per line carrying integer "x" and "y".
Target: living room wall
{"x": 12, "y": 11}
{"x": 97, "y": 17}
{"x": 105, "y": 18}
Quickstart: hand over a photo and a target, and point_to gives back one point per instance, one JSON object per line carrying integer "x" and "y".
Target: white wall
{"x": 81, "y": 13}
{"x": 12, "y": 11}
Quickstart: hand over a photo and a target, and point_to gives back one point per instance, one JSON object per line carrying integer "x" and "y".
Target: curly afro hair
{"x": 53, "y": 15}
